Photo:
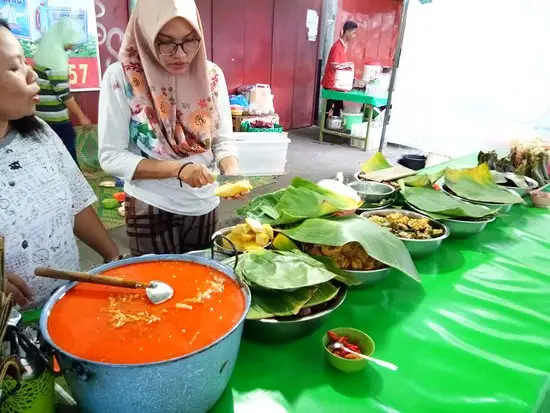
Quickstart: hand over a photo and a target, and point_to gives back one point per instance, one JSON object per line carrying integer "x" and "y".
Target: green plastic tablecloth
{"x": 354, "y": 96}
{"x": 473, "y": 337}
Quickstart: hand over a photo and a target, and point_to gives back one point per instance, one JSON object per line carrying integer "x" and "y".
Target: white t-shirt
{"x": 41, "y": 191}
{"x": 120, "y": 157}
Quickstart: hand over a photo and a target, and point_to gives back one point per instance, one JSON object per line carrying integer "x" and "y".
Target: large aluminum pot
{"x": 188, "y": 384}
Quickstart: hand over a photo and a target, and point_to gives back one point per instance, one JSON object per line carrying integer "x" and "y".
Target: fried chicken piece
{"x": 330, "y": 251}
{"x": 420, "y": 224}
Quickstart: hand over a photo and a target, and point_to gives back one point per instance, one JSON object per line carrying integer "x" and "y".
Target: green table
{"x": 473, "y": 337}
{"x": 355, "y": 96}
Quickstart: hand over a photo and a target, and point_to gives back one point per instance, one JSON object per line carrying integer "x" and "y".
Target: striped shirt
{"x": 54, "y": 91}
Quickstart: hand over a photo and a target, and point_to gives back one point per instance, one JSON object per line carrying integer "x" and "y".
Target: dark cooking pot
{"x": 188, "y": 384}
{"x": 414, "y": 162}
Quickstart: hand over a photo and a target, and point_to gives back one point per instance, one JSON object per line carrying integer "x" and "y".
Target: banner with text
{"x": 29, "y": 20}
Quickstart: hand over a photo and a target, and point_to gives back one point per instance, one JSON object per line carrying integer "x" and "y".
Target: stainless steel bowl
{"x": 520, "y": 191}
{"x": 366, "y": 278}
{"x": 461, "y": 228}
{"x": 277, "y": 331}
{"x": 372, "y": 192}
{"x": 466, "y": 229}
{"x": 218, "y": 256}
{"x": 218, "y": 246}
{"x": 418, "y": 248}
{"x": 377, "y": 208}
{"x": 502, "y": 208}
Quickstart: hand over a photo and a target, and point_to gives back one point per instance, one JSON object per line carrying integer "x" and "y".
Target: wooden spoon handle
{"x": 87, "y": 278}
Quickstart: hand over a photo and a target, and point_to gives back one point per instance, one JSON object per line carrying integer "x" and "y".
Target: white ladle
{"x": 382, "y": 363}
{"x": 157, "y": 291}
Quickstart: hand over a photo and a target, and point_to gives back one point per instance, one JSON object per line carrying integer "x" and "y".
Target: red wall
{"x": 253, "y": 41}
{"x": 378, "y": 30}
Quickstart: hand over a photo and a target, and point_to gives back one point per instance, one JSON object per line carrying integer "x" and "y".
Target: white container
{"x": 262, "y": 153}
{"x": 371, "y": 72}
{"x": 343, "y": 78}
{"x": 353, "y": 107}
{"x": 360, "y": 130}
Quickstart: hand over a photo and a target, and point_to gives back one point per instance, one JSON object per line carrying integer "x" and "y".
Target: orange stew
{"x": 121, "y": 326}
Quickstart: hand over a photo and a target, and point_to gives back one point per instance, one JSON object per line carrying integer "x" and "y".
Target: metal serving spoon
{"x": 340, "y": 346}
{"x": 157, "y": 291}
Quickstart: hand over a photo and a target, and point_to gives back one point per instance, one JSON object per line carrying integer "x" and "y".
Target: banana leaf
{"x": 281, "y": 270}
{"x": 378, "y": 242}
{"x": 325, "y": 292}
{"x": 477, "y": 184}
{"x": 268, "y": 304}
{"x": 439, "y": 205}
{"x": 376, "y": 163}
{"x": 422, "y": 181}
{"x": 301, "y": 200}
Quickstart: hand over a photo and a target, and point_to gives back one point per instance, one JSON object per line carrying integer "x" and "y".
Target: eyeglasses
{"x": 171, "y": 48}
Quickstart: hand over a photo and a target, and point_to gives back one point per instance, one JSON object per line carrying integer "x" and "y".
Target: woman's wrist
{"x": 113, "y": 259}
{"x": 229, "y": 165}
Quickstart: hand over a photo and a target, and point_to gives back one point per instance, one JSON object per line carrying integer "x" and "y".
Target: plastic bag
{"x": 239, "y": 100}
{"x": 343, "y": 78}
{"x": 261, "y": 100}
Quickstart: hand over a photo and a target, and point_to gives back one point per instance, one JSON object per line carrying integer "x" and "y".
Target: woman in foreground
{"x": 44, "y": 199}
{"x": 164, "y": 124}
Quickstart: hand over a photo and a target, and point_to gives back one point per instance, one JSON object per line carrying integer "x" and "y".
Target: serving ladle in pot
{"x": 157, "y": 291}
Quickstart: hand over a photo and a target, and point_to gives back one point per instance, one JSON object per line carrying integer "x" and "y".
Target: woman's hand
{"x": 20, "y": 291}
{"x": 85, "y": 121}
{"x": 230, "y": 166}
{"x": 196, "y": 176}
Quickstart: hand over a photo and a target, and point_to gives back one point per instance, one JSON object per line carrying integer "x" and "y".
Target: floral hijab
{"x": 172, "y": 116}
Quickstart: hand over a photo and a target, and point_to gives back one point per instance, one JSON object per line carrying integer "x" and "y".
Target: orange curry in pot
{"x": 121, "y": 326}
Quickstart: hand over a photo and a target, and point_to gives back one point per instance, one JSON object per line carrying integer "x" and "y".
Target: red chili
{"x": 333, "y": 336}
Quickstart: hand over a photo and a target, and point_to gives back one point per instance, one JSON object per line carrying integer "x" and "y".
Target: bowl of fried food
{"x": 351, "y": 262}
{"x": 421, "y": 235}
{"x": 249, "y": 236}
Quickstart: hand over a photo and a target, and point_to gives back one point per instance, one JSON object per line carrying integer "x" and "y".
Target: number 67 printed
{"x": 78, "y": 75}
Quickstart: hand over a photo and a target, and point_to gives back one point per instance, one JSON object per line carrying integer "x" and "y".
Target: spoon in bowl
{"x": 382, "y": 363}
{"x": 157, "y": 291}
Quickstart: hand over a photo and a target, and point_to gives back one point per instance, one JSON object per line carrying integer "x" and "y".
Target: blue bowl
{"x": 190, "y": 384}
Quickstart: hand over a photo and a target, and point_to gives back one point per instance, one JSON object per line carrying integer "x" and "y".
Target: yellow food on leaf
{"x": 250, "y": 236}
{"x": 283, "y": 243}
{"x": 262, "y": 239}
{"x": 232, "y": 189}
{"x": 254, "y": 225}
{"x": 269, "y": 231}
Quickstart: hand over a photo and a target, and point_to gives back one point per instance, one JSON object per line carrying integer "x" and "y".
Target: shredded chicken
{"x": 119, "y": 318}
{"x": 215, "y": 286}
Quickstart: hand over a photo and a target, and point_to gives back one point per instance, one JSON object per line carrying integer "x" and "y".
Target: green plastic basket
{"x": 34, "y": 396}
{"x": 245, "y": 127}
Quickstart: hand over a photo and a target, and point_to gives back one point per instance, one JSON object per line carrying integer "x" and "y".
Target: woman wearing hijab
{"x": 51, "y": 63}
{"x": 338, "y": 55}
{"x": 44, "y": 199}
{"x": 164, "y": 124}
